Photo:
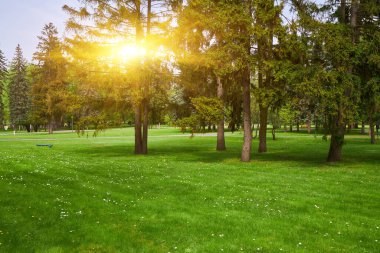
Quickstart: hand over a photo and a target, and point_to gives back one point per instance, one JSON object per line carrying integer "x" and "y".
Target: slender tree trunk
{"x": 51, "y": 125}
{"x": 372, "y": 131}
{"x": 298, "y": 126}
{"x": 145, "y": 123}
{"x": 256, "y": 131}
{"x": 362, "y": 131}
{"x": 246, "y": 150}
{"x": 220, "y": 144}
{"x": 273, "y": 133}
{"x": 139, "y": 104}
{"x": 308, "y": 123}
{"x": 138, "y": 134}
{"x": 263, "y": 129}
{"x": 145, "y": 101}
{"x": 316, "y": 124}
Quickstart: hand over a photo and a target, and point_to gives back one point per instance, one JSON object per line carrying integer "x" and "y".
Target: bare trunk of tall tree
{"x": 138, "y": 135}
{"x": 362, "y": 130}
{"x": 308, "y": 123}
{"x": 220, "y": 143}
{"x": 263, "y": 129}
{"x": 336, "y": 144}
{"x": 274, "y": 133}
{"x": 372, "y": 130}
{"x": 51, "y": 125}
{"x": 145, "y": 123}
{"x": 142, "y": 106}
{"x": 138, "y": 105}
{"x": 246, "y": 150}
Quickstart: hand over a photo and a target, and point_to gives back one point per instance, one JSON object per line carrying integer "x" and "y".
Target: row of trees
{"x": 204, "y": 63}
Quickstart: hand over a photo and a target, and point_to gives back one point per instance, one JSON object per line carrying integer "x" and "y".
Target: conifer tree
{"x": 3, "y": 74}
{"x": 19, "y": 88}
{"x": 50, "y": 98}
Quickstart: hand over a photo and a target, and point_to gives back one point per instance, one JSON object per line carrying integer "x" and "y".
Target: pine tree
{"x": 50, "y": 99}
{"x": 18, "y": 91}
{"x": 3, "y": 74}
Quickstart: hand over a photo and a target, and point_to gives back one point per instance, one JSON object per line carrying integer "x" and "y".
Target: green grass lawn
{"x": 95, "y": 195}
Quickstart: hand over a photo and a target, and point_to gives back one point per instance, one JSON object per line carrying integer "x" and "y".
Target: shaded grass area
{"x": 94, "y": 195}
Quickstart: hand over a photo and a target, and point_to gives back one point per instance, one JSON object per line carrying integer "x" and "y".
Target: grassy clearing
{"x": 94, "y": 195}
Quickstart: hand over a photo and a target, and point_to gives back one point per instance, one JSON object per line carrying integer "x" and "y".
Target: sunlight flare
{"x": 131, "y": 51}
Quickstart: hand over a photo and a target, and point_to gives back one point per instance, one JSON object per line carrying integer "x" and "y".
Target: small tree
{"x": 3, "y": 75}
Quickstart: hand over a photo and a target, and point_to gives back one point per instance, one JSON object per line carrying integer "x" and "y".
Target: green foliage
{"x": 51, "y": 98}
{"x": 192, "y": 122}
{"x": 97, "y": 122}
{"x": 206, "y": 111}
{"x": 3, "y": 75}
{"x": 209, "y": 110}
{"x": 19, "y": 88}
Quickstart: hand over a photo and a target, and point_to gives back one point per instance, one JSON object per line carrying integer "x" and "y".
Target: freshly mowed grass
{"x": 95, "y": 195}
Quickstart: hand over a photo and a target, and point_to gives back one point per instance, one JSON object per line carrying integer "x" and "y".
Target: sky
{"x": 21, "y": 21}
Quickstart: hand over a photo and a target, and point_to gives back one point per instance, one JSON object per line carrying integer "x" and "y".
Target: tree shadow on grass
{"x": 309, "y": 154}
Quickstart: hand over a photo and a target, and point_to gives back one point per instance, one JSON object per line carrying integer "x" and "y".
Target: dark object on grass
{"x": 45, "y": 145}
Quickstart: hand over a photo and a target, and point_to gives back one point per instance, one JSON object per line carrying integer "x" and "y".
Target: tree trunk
{"x": 220, "y": 144}
{"x": 145, "y": 105}
{"x": 27, "y": 126}
{"x": 256, "y": 131}
{"x": 246, "y": 149}
{"x": 336, "y": 144}
{"x": 139, "y": 104}
{"x": 298, "y": 126}
{"x": 308, "y": 123}
{"x": 145, "y": 123}
{"x": 362, "y": 131}
{"x": 372, "y": 131}
{"x": 51, "y": 125}
{"x": 273, "y": 133}
{"x": 138, "y": 135}
{"x": 263, "y": 129}
{"x": 291, "y": 126}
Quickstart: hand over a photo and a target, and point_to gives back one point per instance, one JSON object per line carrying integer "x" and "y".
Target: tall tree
{"x": 339, "y": 120}
{"x": 50, "y": 97}
{"x": 19, "y": 88}
{"x": 267, "y": 24}
{"x": 3, "y": 75}
{"x": 368, "y": 60}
